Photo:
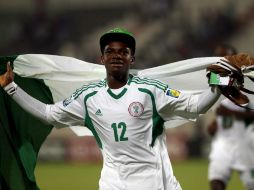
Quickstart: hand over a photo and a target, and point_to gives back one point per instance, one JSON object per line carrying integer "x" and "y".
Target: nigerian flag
{"x": 48, "y": 78}
{"x": 52, "y": 78}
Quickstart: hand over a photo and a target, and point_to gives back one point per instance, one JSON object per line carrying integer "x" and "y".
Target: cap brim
{"x": 121, "y": 37}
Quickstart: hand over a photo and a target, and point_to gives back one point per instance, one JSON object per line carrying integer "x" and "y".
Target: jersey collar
{"x": 124, "y": 90}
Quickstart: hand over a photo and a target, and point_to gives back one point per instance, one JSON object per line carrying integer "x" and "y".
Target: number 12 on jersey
{"x": 119, "y": 131}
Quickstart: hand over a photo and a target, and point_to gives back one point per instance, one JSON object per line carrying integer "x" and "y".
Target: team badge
{"x": 173, "y": 93}
{"x": 136, "y": 109}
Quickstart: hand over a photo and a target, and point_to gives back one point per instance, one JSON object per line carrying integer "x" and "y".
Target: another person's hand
{"x": 7, "y": 77}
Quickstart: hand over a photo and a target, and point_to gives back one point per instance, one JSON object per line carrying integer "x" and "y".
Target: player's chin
{"x": 118, "y": 72}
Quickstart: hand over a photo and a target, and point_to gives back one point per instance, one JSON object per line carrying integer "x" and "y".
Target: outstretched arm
{"x": 207, "y": 99}
{"x": 27, "y": 102}
{"x": 55, "y": 114}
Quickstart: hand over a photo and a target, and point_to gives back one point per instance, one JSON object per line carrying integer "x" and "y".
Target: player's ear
{"x": 132, "y": 59}
{"x": 102, "y": 60}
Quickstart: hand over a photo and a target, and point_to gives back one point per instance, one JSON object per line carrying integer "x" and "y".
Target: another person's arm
{"x": 247, "y": 114}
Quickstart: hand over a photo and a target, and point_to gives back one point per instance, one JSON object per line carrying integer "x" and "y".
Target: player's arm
{"x": 50, "y": 114}
{"x": 207, "y": 99}
{"x": 178, "y": 105}
{"x": 28, "y": 103}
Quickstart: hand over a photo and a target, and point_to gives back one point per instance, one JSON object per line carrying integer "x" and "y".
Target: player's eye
{"x": 125, "y": 51}
{"x": 108, "y": 51}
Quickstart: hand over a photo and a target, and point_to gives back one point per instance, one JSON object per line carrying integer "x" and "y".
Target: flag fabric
{"x": 21, "y": 135}
{"x": 52, "y": 78}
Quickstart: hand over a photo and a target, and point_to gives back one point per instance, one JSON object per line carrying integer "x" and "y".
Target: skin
{"x": 217, "y": 185}
{"x": 7, "y": 77}
{"x": 117, "y": 58}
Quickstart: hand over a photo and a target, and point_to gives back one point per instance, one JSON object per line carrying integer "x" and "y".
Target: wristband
{"x": 11, "y": 88}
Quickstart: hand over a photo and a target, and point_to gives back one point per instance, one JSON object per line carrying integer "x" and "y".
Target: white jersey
{"x": 231, "y": 148}
{"x": 128, "y": 126}
{"x": 230, "y": 129}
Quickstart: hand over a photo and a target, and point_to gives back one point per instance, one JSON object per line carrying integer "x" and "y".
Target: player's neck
{"x": 115, "y": 82}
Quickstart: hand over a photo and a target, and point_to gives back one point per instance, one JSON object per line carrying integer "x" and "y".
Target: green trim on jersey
{"x": 88, "y": 121}
{"x": 79, "y": 91}
{"x": 117, "y": 96}
{"x": 158, "y": 122}
{"x": 152, "y": 82}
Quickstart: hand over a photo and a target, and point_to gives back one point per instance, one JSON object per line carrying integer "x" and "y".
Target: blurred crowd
{"x": 165, "y": 29}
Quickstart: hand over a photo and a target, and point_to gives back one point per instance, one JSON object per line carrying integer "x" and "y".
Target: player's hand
{"x": 7, "y": 77}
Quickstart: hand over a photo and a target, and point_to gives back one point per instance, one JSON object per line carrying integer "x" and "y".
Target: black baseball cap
{"x": 118, "y": 34}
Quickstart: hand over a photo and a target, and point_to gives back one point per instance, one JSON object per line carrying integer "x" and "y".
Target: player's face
{"x": 117, "y": 58}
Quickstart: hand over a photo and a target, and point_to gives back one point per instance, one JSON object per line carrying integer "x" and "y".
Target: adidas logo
{"x": 98, "y": 112}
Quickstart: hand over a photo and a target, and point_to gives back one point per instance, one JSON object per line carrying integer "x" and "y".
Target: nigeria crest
{"x": 136, "y": 109}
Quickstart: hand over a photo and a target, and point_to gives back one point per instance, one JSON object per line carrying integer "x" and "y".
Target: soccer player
{"x": 231, "y": 147}
{"x": 125, "y": 113}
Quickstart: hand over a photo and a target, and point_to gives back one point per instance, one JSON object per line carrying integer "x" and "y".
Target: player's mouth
{"x": 116, "y": 63}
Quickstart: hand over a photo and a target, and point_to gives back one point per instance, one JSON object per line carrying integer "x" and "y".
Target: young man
{"x": 231, "y": 147}
{"x": 125, "y": 114}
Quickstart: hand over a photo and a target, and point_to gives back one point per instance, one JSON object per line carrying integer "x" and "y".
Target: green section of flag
{"x": 21, "y": 136}
{"x": 4, "y": 60}
{"x": 214, "y": 79}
